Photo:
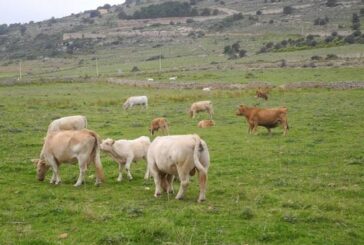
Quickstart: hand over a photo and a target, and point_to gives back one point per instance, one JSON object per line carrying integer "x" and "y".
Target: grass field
{"x": 305, "y": 188}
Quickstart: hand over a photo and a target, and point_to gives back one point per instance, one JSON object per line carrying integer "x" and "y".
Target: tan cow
{"x": 201, "y": 106}
{"x": 178, "y": 155}
{"x": 206, "y": 123}
{"x": 268, "y": 118}
{"x": 68, "y": 123}
{"x": 159, "y": 123}
{"x": 124, "y": 152}
{"x": 70, "y": 146}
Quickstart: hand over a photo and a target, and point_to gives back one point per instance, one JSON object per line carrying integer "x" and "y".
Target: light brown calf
{"x": 159, "y": 123}
{"x": 206, "y": 123}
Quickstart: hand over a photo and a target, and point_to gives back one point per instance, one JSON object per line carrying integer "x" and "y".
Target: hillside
{"x": 173, "y": 37}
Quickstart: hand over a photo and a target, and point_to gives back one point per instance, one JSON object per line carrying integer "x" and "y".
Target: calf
{"x": 70, "y": 146}
{"x": 124, "y": 152}
{"x": 201, "y": 106}
{"x": 268, "y": 118}
{"x": 206, "y": 123}
{"x": 159, "y": 123}
{"x": 136, "y": 100}
{"x": 178, "y": 155}
{"x": 261, "y": 94}
{"x": 68, "y": 123}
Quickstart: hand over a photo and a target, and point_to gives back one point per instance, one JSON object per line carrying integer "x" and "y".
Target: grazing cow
{"x": 268, "y": 118}
{"x": 68, "y": 123}
{"x": 207, "y": 89}
{"x": 150, "y": 79}
{"x": 70, "y": 146}
{"x": 159, "y": 123}
{"x": 178, "y": 155}
{"x": 206, "y": 123}
{"x": 261, "y": 94}
{"x": 201, "y": 106}
{"x": 172, "y": 78}
{"x": 124, "y": 152}
{"x": 136, "y": 100}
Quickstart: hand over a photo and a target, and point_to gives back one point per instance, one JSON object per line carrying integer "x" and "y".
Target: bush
{"x": 321, "y": 21}
{"x": 331, "y": 3}
{"x": 135, "y": 69}
{"x": 288, "y": 10}
{"x": 316, "y": 57}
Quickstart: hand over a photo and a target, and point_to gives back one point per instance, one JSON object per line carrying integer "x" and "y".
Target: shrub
{"x": 288, "y": 10}
{"x": 135, "y": 69}
{"x": 331, "y": 3}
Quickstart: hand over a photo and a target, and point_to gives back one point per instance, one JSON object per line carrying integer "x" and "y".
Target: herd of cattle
{"x": 68, "y": 141}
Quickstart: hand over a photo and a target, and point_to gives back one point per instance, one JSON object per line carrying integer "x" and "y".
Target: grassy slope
{"x": 301, "y": 189}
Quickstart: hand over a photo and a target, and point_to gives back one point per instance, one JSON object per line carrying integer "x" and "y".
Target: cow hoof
{"x": 201, "y": 200}
{"x": 179, "y": 197}
{"x": 119, "y": 180}
{"x": 157, "y": 195}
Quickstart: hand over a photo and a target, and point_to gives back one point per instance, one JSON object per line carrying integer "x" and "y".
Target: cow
{"x": 261, "y": 94}
{"x": 172, "y": 78}
{"x": 201, "y": 106}
{"x": 159, "y": 123}
{"x": 268, "y": 118}
{"x": 136, "y": 100}
{"x": 206, "y": 89}
{"x": 68, "y": 123}
{"x": 70, "y": 146}
{"x": 150, "y": 79}
{"x": 181, "y": 156}
{"x": 124, "y": 152}
{"x": 206, "y": 123}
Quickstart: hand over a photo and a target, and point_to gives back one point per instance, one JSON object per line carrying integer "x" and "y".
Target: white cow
{"x": 68, "y": 123}
{"x": 70, "y": 146}
{"x": 136, "y": 100}
{"x": 200, "y": 106}
{"x": 150, "y": 79}
{"x": 207, "y": 89}
{"x": 178, "y": 155}
{"x": 172, "y": 78}
{"x": 124, "y": 152}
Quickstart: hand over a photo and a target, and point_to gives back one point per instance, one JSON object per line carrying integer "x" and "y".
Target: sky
{"x": 23, "y": 11}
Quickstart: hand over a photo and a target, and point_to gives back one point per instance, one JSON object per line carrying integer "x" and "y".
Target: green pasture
{"x": 305, "y": 188}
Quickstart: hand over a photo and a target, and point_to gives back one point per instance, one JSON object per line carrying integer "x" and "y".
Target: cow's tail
{"x": 196, "y": 152}
{"x": 85, "y": 120}
{"x": 95, "y": 156}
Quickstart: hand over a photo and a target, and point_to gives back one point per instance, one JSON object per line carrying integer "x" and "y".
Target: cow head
{"x": 42, "y": 168}
{"x": 106, "y": 145}
{"x": 241, "y": 110}
{"x": 190, "y": 112}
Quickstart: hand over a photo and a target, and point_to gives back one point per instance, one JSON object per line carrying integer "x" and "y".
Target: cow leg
{"x": 184, "y": 178}
{"x": 56, "y": 179}
{"x": 154, "y": 171}
{"x": 120, "y": 177}
{"x": 127, "y": 167}
{"x": 202, "y": 181}
{"x": 269, "y": 131}
{"x": 169, "y": 183}
{"x": 83, "y": 167}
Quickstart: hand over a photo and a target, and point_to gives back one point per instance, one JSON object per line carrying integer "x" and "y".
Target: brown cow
{"x": 159, "y": 123}
{"x": 268, "y": 118}
{"x": 261, "y": 94}
{"x": 206, "y": 123}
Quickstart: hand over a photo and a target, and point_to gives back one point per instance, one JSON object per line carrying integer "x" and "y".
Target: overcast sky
{"x": 23, "y": 11}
